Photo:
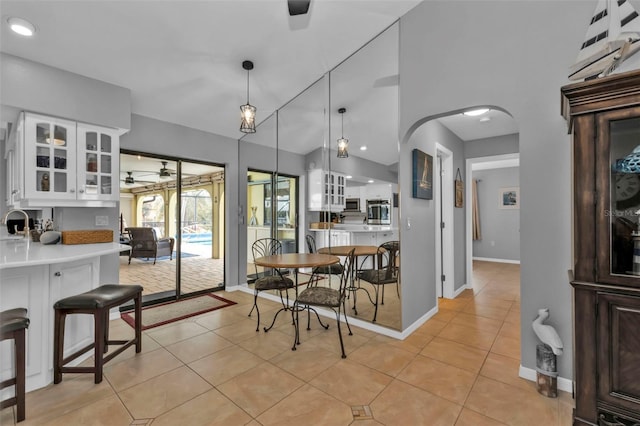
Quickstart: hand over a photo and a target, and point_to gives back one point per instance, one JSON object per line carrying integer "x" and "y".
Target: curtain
{"x": 475, "y": 215}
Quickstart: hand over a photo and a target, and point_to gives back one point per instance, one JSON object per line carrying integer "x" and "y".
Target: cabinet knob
{"x": 81, "y": 191}
{"x": 15, "y": 191}
{"x": 72, "y": 191}
{"x": 57, "y": 274}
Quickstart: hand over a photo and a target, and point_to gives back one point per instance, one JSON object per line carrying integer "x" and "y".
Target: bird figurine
{"x": 546, "y": 333}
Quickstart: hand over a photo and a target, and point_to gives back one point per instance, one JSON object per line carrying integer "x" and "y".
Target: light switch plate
{"x": 102, "y": 220}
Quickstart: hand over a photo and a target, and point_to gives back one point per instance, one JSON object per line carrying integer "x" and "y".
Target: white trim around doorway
{"x": 493, "y": 162}
{"x": 447, "y": 251}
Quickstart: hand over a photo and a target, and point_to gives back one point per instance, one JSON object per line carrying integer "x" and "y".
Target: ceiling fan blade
{"x": 298, "y": 7}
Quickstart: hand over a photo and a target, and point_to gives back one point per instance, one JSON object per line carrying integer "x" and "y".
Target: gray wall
{"x": 418, "y": 242}
{"x": 499, "y": 145}
{"x": 32, "y": 86}
{"x": 500, "y": 228}
{"x": 512, "y": 55}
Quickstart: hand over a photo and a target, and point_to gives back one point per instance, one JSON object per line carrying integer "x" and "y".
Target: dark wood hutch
{"x": 604, "y": 118}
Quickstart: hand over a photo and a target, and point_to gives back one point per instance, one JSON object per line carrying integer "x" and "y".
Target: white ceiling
{"x": 182, "y": 62}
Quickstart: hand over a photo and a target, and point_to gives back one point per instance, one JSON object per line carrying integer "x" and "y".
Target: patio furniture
{"x": 145, "y": 243}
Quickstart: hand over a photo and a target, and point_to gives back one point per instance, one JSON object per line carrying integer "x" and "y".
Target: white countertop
{"x": 359, "y": 228}
{"x": 24, "y": 252}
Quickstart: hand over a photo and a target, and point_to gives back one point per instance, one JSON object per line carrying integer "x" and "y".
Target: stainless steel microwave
{"x": 379, "y": 212}
{"x": 352, "y": 205}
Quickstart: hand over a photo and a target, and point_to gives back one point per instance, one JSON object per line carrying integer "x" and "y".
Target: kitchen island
{"x": 348, "y": 234}
{"x": 35, "y": 276}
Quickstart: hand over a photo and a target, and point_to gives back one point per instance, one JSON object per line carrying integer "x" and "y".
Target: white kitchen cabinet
{"x": 28, "y": 288}
{"x": 68, "y": 279}
{"x": 326, "y": 190}
{"x": 37, "y": 288}
{"x": 333, "y": 238}
{"x": 352, "y": 192}
{"x": 379, "y": 191}
{"x": 99, "y": 154}
{"x": 57, "y": 162}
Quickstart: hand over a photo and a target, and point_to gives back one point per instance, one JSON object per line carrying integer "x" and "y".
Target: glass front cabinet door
{"x": 98, "y": 165}
{"x": 50, "y": 158}
{"x": 618, "y": 192}
{"x": 65, "y": 163}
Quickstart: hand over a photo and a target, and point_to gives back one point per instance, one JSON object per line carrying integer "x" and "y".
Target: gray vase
{"x": 50, "y": 237}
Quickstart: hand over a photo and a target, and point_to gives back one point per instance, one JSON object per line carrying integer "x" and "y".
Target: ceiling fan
{"x": 165, "y": 172}
{"x": 298, "y": 7}
{"x": 130, "y": 180}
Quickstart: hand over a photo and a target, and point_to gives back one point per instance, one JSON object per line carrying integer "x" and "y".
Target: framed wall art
{"x": 422, "y": 175}
{"x": 459, "y": 190}
{"x": 509, "y": 198}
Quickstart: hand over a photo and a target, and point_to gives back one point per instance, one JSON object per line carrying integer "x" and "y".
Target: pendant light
{"x": 343, "y": 143}
{"x": 248, "y": 111}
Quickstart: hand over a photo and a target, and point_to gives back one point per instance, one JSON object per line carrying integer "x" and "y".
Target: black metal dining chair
{"x": 328, "y": 270}
{"x": 269, "y": 278}
{"x": 386, "y": 271}
{"x": 326, "y": 297}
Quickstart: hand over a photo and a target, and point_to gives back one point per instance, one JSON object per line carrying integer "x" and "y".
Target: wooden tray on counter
{"x": 90, "y": 236}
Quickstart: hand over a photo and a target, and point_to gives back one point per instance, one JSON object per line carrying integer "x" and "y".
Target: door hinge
{"x": 441, "y": 225}
{"x": 443, "y": 278}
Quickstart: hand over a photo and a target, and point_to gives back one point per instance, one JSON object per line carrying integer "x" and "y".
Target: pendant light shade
{"x": 343, "y": 143}
{"x": 248, "y": 111}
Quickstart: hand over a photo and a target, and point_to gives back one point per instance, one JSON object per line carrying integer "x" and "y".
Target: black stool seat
{"x": 105, "y": 295}
{"x": 96, "y": 302}
{"x": 13, "y": 324}
{"x": 13, "y": 313}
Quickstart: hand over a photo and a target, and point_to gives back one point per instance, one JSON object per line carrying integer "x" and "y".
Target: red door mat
{"x": 165, "y": 313}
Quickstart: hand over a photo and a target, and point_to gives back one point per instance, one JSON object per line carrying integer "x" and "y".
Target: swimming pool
{"x": 199, "y": 238}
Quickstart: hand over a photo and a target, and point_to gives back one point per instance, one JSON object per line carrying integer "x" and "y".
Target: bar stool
{"x": 13, "y": 324}
{"x": 96, "y": 302}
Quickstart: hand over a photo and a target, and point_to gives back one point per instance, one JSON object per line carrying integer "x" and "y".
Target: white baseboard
{"x": 530, "y": 374}
{"x": 400, "y": 335}
{"x": 460, "y": 290}
{"x": 490, "y": 259}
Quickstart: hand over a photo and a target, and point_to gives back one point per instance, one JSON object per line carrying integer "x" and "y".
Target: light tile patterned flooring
{"x": 459, "y": 368}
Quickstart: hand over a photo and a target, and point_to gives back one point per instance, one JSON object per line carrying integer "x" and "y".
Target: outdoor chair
{"x": 145, "y": 243}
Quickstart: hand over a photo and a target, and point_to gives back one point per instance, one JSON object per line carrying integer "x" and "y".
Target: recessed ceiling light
{"x": 363, "y": 148}
{"x": 485, "y": 119}
{"x": 349, "y": 177}
{"x": 370, "y": 181}
{"x": 21, "y": 26}
{"x": 476, "y": 112}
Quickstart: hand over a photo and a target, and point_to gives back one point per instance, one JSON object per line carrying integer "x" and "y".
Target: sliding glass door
{"x": 175, "y": 210}
{"x": 201, "y": 226}
{"x": 272, "y": 202}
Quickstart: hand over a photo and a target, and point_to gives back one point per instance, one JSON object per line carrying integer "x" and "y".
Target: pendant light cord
{"x": 247, "y": 87}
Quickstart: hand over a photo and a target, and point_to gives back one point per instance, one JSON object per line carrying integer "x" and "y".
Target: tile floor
{"x": 459, "y": 368}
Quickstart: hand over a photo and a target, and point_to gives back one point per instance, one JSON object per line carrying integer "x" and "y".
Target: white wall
{"x": 500, "y": 228}
{"x": 514, "y": 55}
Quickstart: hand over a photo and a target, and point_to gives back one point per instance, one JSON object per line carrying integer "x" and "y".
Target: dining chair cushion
{"x": 319, "y": 296}
{"x": 335, "y": 269}
{"x": 273, "y": 282}
{"x": 378, "y": 276}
